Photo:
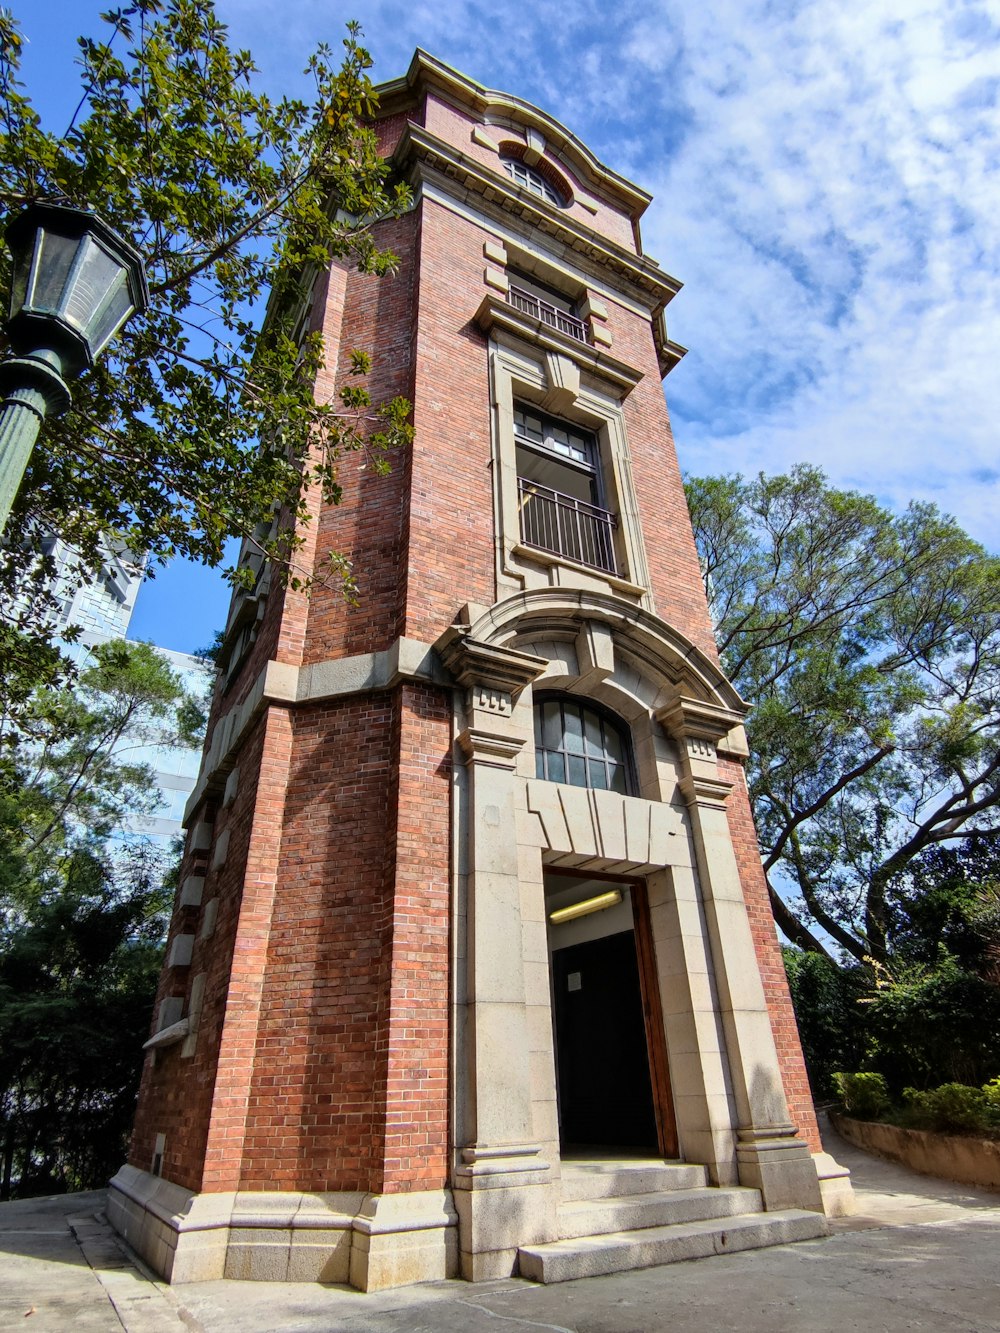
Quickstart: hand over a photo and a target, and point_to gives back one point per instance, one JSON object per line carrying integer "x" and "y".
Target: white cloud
{"x": 833, "y": 214}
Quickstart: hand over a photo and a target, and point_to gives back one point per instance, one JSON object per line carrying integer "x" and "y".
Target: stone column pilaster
{"x": 770, "y": 1155}
{"x": 499, "y": 1180}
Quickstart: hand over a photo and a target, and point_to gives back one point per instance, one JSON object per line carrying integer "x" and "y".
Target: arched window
{"x": 533, "y": 180}
{"x": 580, "y": 745}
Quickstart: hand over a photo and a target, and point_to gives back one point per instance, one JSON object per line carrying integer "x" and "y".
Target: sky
{"x": 826, "y": 182}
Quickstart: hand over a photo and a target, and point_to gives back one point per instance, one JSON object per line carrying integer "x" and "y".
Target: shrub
{"x": 952, "y": 1106}
{"x": 929, "y": 1023}
{"x": 865, "y": 1096}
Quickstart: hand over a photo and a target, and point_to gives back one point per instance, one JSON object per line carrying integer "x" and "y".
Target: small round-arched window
{"x": 533, "y": 180}
{"x": 580, "y": 745}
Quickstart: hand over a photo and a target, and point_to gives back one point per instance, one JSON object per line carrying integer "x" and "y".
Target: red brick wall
{"x": 369, "y": 526}
{"x": 347, "y": 1081}
{"x": 177, "y": 1095}
{"x": 451, "y": 554}
{"x": 415, "y": 1037}
{"x": 678, "y": 593}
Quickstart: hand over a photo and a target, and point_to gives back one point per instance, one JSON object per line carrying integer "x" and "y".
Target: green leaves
{"x": 201, "y": 421}
{"x": 869, "y": 645}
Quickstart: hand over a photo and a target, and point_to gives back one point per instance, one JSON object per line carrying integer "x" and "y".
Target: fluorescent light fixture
{"x": 596, "y": 904}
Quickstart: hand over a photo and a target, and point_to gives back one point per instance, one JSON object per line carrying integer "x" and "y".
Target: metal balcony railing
{"x": 558, "y": 523}
{"x": 532, "y": 305}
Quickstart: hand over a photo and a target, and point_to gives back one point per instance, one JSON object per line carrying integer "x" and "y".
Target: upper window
{"x": 560, "y": 491}
{"x": 581, "y": 746}
{"x": 533, "y": 181}
{"x": 545, "y": 303}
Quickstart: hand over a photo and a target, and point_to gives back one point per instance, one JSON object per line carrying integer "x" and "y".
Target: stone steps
{"x": 617, "y": 1252}
{"x": 597, "y": 1217}
{"x": 598, "y": 1178}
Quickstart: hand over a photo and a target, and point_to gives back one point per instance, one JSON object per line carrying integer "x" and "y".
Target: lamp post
{"x": 75, "y": 283}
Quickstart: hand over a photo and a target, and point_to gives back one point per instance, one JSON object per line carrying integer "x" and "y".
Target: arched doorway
{"x": 612, "y": 1088}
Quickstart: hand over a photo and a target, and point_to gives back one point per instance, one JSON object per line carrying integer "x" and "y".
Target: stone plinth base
{"x": 505, "y": 1198}
{"x": 835, "y": 1186}
{"x": 776, "y": 1162}
{"x": 371, "y": 1241}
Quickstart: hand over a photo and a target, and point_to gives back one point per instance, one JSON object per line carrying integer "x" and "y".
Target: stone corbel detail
{"x": 595, "y": 653}
{"x": 496, "y": 278}
{"x": 595, "y": 313}
{"x": 534, "y": 146}
{"x": 480, "y": 137}
{"x": 698, "y": 728}
{"x": 564, "y": 382}
{"x": 493, "y": 677}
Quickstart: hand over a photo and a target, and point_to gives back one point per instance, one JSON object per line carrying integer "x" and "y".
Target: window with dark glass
{"x": 581, "y": 746}
{"x": 532, "y": 180}
{"x": 560, "y": 490}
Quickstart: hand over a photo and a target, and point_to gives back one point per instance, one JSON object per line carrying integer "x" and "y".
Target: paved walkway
{"x": 920, "y": 1254}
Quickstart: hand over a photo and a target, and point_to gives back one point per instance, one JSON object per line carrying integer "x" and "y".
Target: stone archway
{"x": 731, "y": 1108}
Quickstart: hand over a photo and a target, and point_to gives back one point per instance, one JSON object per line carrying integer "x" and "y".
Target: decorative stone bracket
{"x": 699, "y": 728}
{"x": 494, "y": 678}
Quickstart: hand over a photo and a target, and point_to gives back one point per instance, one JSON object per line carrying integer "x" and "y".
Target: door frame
{"x": 652, "y": 1007}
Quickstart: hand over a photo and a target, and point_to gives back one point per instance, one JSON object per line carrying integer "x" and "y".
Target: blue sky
{"x": 826, "y": 182}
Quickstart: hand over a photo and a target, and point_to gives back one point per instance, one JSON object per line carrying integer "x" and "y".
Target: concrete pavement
{"x": 920, "y": 1254}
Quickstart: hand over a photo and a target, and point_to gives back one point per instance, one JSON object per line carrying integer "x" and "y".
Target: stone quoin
{"x": 472, "y": 970}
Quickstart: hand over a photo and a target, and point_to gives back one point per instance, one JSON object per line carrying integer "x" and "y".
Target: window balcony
{"x": 566, "y": 526}
{"x": 537, "y": 308}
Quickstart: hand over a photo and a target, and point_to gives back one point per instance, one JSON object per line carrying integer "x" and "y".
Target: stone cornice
{"x": 486, "y": 665}
{"x": 496, "y": 313}
{"x": 427, "y": 71}
{"x": 418, "y": 150}
{"x": 693, "y": 719}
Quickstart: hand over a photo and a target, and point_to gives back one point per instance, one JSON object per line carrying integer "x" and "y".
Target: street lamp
{"x": 75, "y": 283}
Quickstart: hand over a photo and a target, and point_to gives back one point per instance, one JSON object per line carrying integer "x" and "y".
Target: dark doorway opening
{"x": 602, "y": 1061}
{"x": 612, "y": 1080}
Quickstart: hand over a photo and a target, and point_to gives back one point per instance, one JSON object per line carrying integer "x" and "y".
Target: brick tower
{"x": 472, "y": 926}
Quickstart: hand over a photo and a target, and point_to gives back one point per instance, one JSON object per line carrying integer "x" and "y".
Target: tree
{"x": 200, "y": 423}
{"x": 78, "y": 771}
{"x": 78, "y": 974}
{"x": 868, "y": 644}
{"x": 83, "y": 913}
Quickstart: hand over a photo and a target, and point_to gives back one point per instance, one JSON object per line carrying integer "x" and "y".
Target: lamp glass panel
{"x": 22, "y": 271}
{"x": 117, "y": 308}
{"x": 53, "y": 262}
{"x": 93, "y": 277}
